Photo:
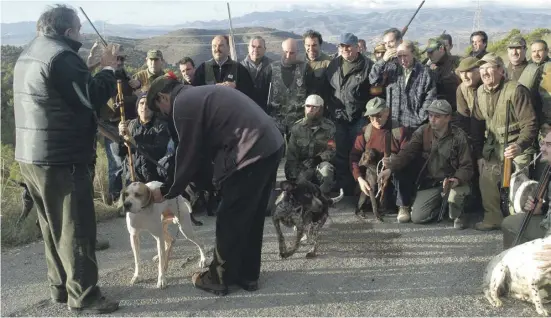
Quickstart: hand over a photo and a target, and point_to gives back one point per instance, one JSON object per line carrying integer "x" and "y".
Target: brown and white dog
{"x": 142, "y": 214}
{"x": 523, "y": 272}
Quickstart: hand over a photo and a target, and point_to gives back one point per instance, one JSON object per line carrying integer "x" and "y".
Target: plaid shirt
{"x": 409, "y": 100}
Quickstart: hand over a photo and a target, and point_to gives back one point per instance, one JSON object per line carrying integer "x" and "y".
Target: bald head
{"x": 290, "y": 50}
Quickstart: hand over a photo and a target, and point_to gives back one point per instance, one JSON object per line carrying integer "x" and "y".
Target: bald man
{"x": 288, "y": 87}
{"x": 222, "y": 70}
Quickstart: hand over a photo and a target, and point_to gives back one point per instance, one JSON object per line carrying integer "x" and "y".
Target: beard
{"x": 312, "y": 118}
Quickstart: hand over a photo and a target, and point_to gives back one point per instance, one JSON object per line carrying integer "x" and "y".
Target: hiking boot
{"x": 102, "y": 245}
{"x": 403, "y": 214}
{"x": 481, "y": 226}
{"x": 97, "y": 307}
{"x": 206, "y": 282}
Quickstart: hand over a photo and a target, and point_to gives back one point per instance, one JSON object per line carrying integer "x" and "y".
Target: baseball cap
{"x": 516, "y": 41}
{"x": 440, "y": 106}
{"x": 154, "y": 54}
{"x": 433, "y": 45}
{"x": 491, "y": 58}
{"x": 314, "y": 100}
{"x": 348, "y": 39}
{"x": 380, "y": 48}
{"x": 467, "y": 64}
{"x": 155, "y": 88}
{"x": 375, "y": 106}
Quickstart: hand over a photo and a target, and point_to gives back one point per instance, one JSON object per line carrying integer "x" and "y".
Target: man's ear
{"x": 287, "y": 185}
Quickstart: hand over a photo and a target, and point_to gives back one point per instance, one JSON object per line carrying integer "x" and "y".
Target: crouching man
{"x": 447, "y": 159}
{"x": 540, "y": 222}
{"x": 374, "y": 137}
{"x": 311, "y": 148}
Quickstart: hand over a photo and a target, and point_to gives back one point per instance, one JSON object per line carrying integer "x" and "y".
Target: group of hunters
{"x": 443, "y": 119}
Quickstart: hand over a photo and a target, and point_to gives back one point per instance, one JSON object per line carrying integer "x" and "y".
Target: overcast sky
{"x": 174, "y": 12}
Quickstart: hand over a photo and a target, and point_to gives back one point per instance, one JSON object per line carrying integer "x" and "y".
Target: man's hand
{"x": 386, "y": 162}
{"x": 134, "y": 83}
{"x": 95, "y": 56}
{"x": 454, "y": 182}
{"x": 109, "y": 57}
{"x": 157, "y": 195}
{"x": 229, "y": 84}
{"x": 512, "y": 151}
{"x": 123, "y": 129}
{"x": 530, "y": 204}
{"x": 383, "y": 176}
{"x": 480, "y": 162}
{"x": 389, "y": 54}
{"x": 364, "y": 186}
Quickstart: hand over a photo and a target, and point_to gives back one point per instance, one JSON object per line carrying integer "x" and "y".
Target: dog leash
{"x": 379, "y": 169}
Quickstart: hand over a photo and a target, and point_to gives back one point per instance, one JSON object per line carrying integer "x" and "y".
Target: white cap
{"x": 314, "y": 100}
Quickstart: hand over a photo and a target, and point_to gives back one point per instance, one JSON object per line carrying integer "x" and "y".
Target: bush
{"x": 11, "y": 205}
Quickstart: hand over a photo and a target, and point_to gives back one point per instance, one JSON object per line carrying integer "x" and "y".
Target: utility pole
{"x": 477, "y": 17}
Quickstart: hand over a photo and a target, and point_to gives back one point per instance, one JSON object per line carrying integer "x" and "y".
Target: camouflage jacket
{"x": 308, "y": 141}
{"x": 447, "y": 156}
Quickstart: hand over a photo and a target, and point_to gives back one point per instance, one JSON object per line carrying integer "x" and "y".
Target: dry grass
{"x": 10, "y": 195}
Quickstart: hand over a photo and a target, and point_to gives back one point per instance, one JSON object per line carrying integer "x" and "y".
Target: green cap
{"x": 375, "y": 106}
{"x": 154, "y": 54}
{"x": 516, "y": 41}
{"x": 491, "y": 58}
{"x": 467, "y": 64}
{"x": 440, "y": 106}
{"x": 433, "y": 45}
{"x": 155, "y": 88}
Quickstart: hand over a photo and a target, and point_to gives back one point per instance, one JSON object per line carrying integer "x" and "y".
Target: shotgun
{"x": 445, "y": 196}
{"x": 507, "y": 167}
{"x": 120, "y": 103}
{"x": 388, "y": 145}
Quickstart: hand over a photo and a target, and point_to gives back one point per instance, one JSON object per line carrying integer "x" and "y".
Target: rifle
{"x": 507, "y": 167}
{"x": 405, "y": 29}
{"x": 538, "y": 200}
{"x": 90, "y": 21}
{"x": 120, "y": 103}
{"x": 388, "y": 145}
{"x": 445, "y": 196}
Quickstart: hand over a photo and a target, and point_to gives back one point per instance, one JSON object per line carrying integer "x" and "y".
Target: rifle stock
{"x": 120, "y": 101}
{"x": 507, "y": 167}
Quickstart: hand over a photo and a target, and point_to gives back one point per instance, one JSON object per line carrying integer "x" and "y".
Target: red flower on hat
{"x": 170, "y": 74}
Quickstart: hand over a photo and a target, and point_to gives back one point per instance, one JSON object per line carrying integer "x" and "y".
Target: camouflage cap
{"x": 380, "y": 48}
{"x": 516, "y": 41}
{"x": 440, "y": 106}
{"x": 491, "y": 58}
{"x": 154, "y": 54}
{"x": 155, "y": 88}
{"x": 314, "y": 100}
{"x": 467, "y": 64}
{"x": 375, "y": 106}
{"x": 433, "y": 45}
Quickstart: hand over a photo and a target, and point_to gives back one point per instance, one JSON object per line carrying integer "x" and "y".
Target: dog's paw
{"x": 134, "y": 280}
{"x": 542, "y": 311}
{"x": 161, "y": 282}
{"x": 311, "y": 255}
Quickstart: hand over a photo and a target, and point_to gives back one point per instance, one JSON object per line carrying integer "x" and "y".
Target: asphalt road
{"x": 364, "y": 269}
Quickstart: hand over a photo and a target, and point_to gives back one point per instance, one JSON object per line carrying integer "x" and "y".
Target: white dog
{"x": 143, "y": 214}
{"x": 524, "y": 272}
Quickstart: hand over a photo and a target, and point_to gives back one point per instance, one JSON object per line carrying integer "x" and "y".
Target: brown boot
{"x": 208, "y": 283}
{"x": 102, "y": 245}
{"x": 481, "y": 226}
{"x": 97, "y": 307}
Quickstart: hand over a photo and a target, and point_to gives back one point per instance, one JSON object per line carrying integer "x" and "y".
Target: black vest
{"x": 48, "y": 130}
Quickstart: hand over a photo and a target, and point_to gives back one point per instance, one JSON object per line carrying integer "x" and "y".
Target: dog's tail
{"x": 337, "y": 199}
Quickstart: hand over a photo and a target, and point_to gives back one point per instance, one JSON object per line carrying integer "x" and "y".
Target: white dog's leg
{"x": 135, "y": 243}
{"x": 498, "y": 277}
{"x": 161, "y": 282}
{"x": 536, "y": 299}
{"x": 186, "y": 228}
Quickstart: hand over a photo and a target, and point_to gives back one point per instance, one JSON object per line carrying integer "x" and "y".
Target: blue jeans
{"x": 345, "y": 136}
{"x": 114, "y": 167}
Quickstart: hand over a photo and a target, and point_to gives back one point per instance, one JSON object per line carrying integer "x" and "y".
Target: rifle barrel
{"x": 87, "y": 18}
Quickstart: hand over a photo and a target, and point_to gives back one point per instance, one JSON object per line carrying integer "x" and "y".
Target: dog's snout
{"x": 127, "y": 205}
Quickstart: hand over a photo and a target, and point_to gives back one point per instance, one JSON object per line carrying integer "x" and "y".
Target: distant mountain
{"x": 367, "y": 24}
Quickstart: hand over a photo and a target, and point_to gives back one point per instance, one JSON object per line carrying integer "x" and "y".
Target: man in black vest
{"x": 258, "y": 65}
{"x": 56, "y": 101}
{"x": 222, "y": 70}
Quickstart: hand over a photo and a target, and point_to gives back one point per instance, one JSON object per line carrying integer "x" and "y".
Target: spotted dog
{"x": 302, "y": 205}
{"x": 142, "y": 214}
{"x": 522, "y": 272}
{"x": 368, "y": 165}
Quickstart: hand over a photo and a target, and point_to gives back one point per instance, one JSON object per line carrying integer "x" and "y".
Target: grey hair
{"x": 409, "y": 45}
{"x": 56, "y": 20}
{"x": 259, "y": 38}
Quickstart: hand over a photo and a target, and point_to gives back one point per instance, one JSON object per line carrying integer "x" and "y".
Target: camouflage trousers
{"x": 323, "y": 175}
{"x": 427, "y": 203}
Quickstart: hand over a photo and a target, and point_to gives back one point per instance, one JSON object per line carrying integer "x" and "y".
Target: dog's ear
{"x": 287, "y": 185}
